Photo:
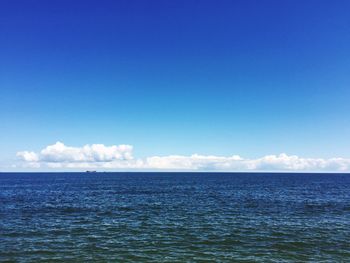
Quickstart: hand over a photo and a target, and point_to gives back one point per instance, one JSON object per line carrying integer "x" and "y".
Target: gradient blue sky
{"x": 176, "y": 77}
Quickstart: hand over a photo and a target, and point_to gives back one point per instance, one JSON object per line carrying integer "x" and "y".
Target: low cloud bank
{"x": 99, "y": 156}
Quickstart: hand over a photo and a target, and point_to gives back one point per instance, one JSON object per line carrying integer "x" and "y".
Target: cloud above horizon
{"x": 99, "y": 156}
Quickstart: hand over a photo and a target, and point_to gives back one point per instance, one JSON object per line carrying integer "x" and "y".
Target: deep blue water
{"x": 174, "y": 217}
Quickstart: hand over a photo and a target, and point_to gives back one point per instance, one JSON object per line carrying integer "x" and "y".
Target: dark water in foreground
{"x": 174, "y": 217}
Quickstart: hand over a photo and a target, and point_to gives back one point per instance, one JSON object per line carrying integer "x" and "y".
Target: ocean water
{"x": 174, "y": 217}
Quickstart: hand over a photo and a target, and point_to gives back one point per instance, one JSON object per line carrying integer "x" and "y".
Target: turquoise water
{"x": 174, "y": 217}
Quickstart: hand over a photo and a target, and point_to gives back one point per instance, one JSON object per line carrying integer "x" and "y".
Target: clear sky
{"x": 223, "y": 78}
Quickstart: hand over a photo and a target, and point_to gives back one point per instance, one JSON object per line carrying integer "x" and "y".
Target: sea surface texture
{"x": 174, "y": 217}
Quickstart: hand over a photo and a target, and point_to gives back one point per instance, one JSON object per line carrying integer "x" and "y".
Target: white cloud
{"x": 99, "y": 156}
{"x": 282, "y": 162}
{"x": 193, "y": 162}
{"x": 28, "y": 156}
{"x": 60, "y": 153}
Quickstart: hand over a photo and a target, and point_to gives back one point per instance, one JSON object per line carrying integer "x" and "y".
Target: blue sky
{"x": 251, "y": 78}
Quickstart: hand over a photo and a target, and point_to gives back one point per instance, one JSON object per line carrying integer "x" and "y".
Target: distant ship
{"x": 90, "y": 171}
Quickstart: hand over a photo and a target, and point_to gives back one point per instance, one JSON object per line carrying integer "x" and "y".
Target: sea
{"x": 174, "y": 217}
